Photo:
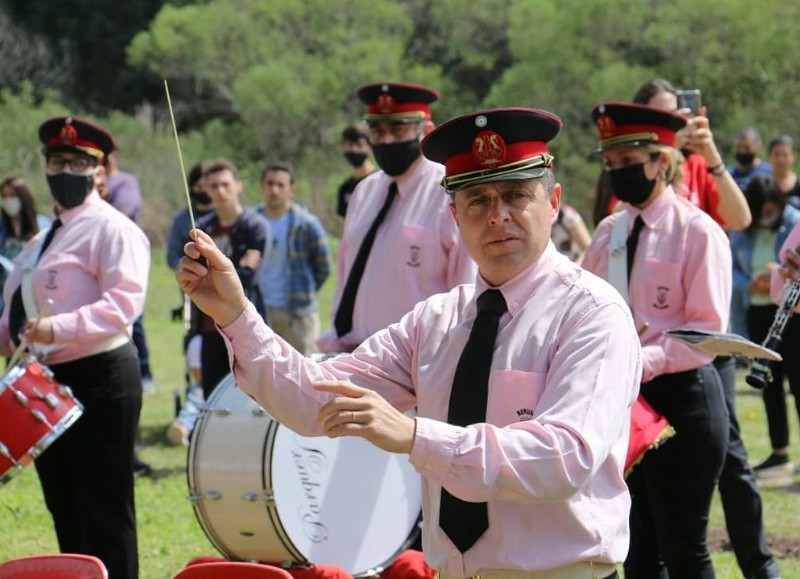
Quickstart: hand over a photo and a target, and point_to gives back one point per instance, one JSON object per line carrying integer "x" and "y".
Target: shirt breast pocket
{"x": 514, "y": 396}
{"x": 663, "y": 290}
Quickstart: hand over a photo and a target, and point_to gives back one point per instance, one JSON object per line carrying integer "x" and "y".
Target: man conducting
{"x": 523, "y": 381}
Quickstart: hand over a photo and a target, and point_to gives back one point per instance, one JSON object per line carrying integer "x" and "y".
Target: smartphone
{"x": 689, "y": 99}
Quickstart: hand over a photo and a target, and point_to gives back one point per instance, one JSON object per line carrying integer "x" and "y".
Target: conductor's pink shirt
{"x": 550, "y": 455}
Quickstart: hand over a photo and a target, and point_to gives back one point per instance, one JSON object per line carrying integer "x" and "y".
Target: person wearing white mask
{"x": 19, "y": 218}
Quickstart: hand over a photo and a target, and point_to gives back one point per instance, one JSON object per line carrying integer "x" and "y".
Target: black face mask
{"x": 70, "y": 190}
{"x": 200, "y": 197}
{"x": 396, "y": 158}
{"x": 630, "y": 184}
{"x": 745, "y": 159}
{"x": 355, "y": 159}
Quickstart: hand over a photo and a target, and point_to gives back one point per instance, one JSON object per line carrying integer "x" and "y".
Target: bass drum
{"x": 263, "y": 493}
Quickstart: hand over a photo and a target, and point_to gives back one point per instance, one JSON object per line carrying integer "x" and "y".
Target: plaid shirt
{"x": 308, "y": 264}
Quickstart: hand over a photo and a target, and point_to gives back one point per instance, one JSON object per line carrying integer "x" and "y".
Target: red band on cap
{"x": 390, "y": 107}
{"x": 466, "y": 162}
{"x": 663, "y": 135}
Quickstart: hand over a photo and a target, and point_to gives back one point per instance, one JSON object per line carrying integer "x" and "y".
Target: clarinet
{"x": 760, "y": 373}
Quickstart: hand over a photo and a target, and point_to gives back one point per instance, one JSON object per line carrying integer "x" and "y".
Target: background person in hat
{"x": 415, "y": 250}
{"x": 528, "y": 431}
{"x": 679, "y": 278}
{"x": 93, "y": 264}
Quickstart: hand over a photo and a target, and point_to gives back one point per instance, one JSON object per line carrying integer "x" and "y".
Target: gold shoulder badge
{"x": 386, "y": 103}
{"x": 489, "y": 149}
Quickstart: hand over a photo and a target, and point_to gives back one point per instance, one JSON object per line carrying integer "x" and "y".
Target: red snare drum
{"x": 648, "y": 430}
{"x": 36, "y": 410}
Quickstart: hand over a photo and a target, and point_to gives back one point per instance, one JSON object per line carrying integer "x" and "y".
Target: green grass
{"x": 169, "y": 534}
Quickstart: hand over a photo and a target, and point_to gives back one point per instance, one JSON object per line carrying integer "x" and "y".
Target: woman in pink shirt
{"x": 673, "y": 263}
{"x": 74, "y": 294}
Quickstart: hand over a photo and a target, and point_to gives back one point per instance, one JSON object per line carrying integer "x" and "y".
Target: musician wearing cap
{"x": 523, "y": 380}
{"x": 399, "y": 243}
{"x": 74, "y": 293}
{"x": 673, "y": 264}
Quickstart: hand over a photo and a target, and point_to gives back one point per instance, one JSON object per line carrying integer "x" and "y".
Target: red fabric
{"x": 701, "y": 186}
{"x": 495, "y": 153}
{"x": 315, "y": 572}
{"x": 648, "y": 430}
{"x": 409, "y": 565}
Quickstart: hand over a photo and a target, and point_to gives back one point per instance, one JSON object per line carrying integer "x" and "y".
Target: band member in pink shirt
{"x": 87, "y": 284}
{"x": 674, "y": 264}
{"x": 399, "y": 244}
{"x": 523, "y": 380}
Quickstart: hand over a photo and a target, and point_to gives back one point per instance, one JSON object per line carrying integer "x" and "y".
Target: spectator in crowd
{"x": 298, "y": 263}
{"x": 201, "y": 205}
{"x": 569, "y": 233}
{"x": 755, "y": 256}
{"x": 705, "y": 181}
{"x": 400, "y": 243}
{"x": 243, "y": 235}
{"x": 781, "y": 155}
{"x": 20, "y": 220}
{"x": 357, "y": 151}
{"x": 747, "y": 151}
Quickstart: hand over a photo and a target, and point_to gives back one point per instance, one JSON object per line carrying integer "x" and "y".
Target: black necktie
{"x": 16, "y": 313}
{"x": 632, "y": 242}
{"x": 462, "y": 521}
{"x": 343, "y": 322}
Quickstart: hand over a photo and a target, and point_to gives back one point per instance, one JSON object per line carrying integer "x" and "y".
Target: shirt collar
{"x": 411, "y": 180}
{"x": 655, "y": 213}
{"x": 518, "y": 290}
{"x": 92, "y": 199}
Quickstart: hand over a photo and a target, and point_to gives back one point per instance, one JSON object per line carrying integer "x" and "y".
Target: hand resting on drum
{"x": 360, "y": 412}
{"x": 214, "y": 286}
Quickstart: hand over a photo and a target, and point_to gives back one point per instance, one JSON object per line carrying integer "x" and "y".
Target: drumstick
{"x": 180, "y": 155}
{"x": 45, "y": 311}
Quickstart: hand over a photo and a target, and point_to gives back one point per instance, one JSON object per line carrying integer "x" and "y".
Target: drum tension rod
{"x": 6, "y": 453}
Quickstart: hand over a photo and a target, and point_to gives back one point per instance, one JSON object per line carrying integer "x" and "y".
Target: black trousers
{"x": 671, "y": 489}
{"x": 741, "y": 499}
{"x": 213, "y": 361}
{"x": 759, "y": 320}
{"x": 87, "y": 473}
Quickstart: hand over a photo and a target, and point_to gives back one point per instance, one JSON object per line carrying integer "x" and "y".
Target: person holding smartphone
{"x": 706, "y": 182}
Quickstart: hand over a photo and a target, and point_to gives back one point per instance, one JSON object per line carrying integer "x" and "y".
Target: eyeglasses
{"x": 77, "y": 164}
{"x": 626, "y": 161}
{"x": 400, "y": 131}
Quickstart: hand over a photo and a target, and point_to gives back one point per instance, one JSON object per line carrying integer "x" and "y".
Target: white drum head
{"x": 263, "y": 493}
{"x": 343, "y": 501}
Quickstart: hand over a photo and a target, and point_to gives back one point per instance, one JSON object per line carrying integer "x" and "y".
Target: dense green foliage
{"x": 261, "y": 80}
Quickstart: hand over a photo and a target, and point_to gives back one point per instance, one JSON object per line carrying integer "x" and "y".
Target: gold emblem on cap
{"x": 68, "y": 134}
{"x": 489, "y": 148}
{"x": 386, "y": 103}
{"x": 606, "y": 126}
